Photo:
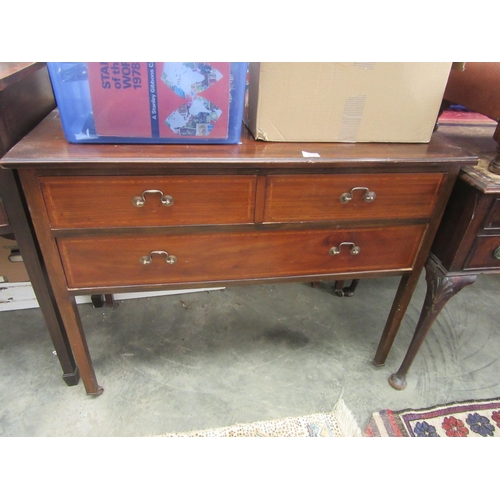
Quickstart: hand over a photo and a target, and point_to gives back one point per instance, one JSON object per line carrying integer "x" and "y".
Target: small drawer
{"x": 485, "y": 254}
{"x": 244, "y": 255}
{"x": 293, "y": 198}
{"x": 131, "y": 201}
{"x": 493, "y": 218}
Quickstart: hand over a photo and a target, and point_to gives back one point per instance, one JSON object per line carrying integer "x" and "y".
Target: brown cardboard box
{"x": 12, "y": 269}
{"x": 345, "y": 102}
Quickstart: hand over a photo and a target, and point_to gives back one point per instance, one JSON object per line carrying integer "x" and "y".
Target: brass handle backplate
{"x": 496, "y": 253}
{"x": 169, "y": 259}
{"x": 139, "y": 201}
{"x": 368, "y": 196}
{"x": 354, "y": 248}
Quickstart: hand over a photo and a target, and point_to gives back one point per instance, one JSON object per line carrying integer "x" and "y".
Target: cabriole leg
{"x": 440, "y": 289}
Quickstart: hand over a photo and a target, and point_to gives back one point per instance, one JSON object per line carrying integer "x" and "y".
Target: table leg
{"x": 72, "y": 321}
{"x": 66, "y": 303}
{"x": 440, "y": 289}
{"x": 339, "y": 288}
{"x": 98, "y": 300}
{"x": 400, "y": 304}
{"x": 33, "y": 262}
{"x": 345, "y": 291}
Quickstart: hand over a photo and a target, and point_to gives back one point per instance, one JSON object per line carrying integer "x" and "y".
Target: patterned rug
{"x": 464, "y": 419}
{"x": 338, "y": 423}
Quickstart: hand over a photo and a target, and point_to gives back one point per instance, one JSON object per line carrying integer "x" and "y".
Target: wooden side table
{"x": 26, "y": 98}
{"x": 111, "y": 218}
{"x": 467, "y": 244}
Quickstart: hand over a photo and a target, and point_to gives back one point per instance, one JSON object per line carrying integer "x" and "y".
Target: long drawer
{"x": 294, "y": 198}
{"x": 131, "y": 201}
{"x": 218, "y": 256}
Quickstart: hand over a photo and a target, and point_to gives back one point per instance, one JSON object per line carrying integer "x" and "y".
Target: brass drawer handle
{"x": 139, "y": 201}
{"x": 496, "y": 253}
{"x": 169, "y": 259}
{"x": 368, "y": 196}
{"x": 336, "y": 250}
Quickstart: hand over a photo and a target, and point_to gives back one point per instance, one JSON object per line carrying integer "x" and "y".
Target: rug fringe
{"x": 346, "y": 420}
{"x": 340, "y": 422}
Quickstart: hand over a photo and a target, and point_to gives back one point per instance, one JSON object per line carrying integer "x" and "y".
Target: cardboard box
{"x": 12, "y": 269}
{"x": 345, "y": 102}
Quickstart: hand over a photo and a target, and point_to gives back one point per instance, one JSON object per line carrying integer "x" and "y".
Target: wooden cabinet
{"x": 467, "y": 244}
{"x": 133, "y": 217}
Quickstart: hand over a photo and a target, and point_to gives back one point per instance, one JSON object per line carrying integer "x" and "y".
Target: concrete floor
{"x": 210, "y": 359}
{"x": 248, "y": 353}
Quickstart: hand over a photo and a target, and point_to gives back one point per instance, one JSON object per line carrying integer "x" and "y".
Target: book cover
{"x": 162, "y": 99}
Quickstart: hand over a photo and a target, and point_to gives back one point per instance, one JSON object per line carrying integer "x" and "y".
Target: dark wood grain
{"x": 100, "y": 201}
{"x": 459, "y": 226}
{"x": 297, "y": 198}
{"x": 14, "y": 72}
{"x": 482, "y": 255}
{"x": 25, "y": 98}
{"x": 216, "y": 256}
{"x": 470, "y": 212}
{"x": 493, "y": 220}
{"x": 47, "y": 145}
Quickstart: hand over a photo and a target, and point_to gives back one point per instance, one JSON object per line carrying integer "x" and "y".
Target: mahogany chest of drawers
{"x": 140, "y": 217}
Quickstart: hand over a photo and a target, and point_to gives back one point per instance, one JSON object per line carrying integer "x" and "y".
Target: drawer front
{"x": 485, "y": 253}
{"x": 493, "y": 219}
{"x": 98, "y": 202}
{"x": 209, "y": 257}
{"x": 292, "y": 198}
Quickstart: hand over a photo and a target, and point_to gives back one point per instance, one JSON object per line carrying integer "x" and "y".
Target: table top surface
{"x": 12, "y": 72}
{"x": 478, "y": 140}
{"x": 46, "y": 144}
